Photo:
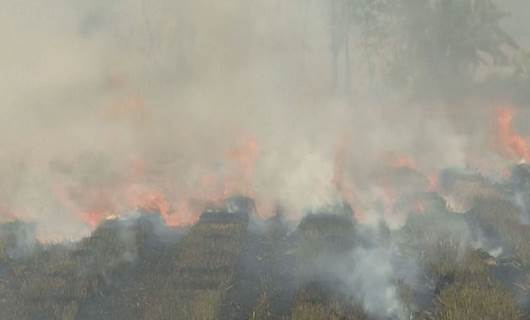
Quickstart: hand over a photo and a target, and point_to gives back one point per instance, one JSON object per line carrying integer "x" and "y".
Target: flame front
{"x": 240, "y": 162}
{"x": 513, "y": 145}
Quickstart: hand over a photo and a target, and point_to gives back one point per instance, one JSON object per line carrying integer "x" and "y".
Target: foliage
{"x": 430, "y": 47}
{"x": 502, "y": 220}
{"x": 315, "y": 302}
{"x": 480, "y": 299}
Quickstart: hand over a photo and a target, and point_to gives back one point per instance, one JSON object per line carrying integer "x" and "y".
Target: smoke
{"x": 371, "y": 273}
{"x": 113, "y": 107}
{"x": 372, "y": 283}
{"x": 103, "y": 98}
{"x": 17, "y": 240}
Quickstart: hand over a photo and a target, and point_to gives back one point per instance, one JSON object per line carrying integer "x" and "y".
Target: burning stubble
{"x": 169, "y": 108}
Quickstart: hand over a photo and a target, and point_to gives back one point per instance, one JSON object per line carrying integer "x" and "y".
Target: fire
{"x": 93, "y": 218}
{"x": 90, "y": 217}
{"x": 433, "y": 182}
{"x": 512, "y": 143}
{"x": 240, "y": 165}
{"x": 7, "y": 213}
{"x": 93, "y": 205}
{"x": 156, "y": 202}
{"x": 211, "y": 188}
{"x": 339, "y": 180}
{"x": 339, "y": 161}
{"x": 181, "y": 206}
{"x": 389, "y": 200}
{"x": 403, "y": 161}
{"x": 420, "y": 207}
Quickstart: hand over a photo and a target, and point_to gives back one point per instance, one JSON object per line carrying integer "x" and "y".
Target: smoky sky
{"x": 517, "y": 21}
{"x": 93, "y": 90}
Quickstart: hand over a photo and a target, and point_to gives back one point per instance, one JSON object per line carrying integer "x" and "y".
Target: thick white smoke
{"x": 101, "y": 96}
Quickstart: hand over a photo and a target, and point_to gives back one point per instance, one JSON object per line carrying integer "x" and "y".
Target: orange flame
{"x": 420, "y": 207}
{"x": 512, "y": 143}
{"x": 241, "y": 162}
{"x": 155, "y": 201}
{"x": 340, "y": 181}
{"x": 404, "y": 161}
{"x": 7, "y": 213}
{"x": 339, "y": 161}
{"x": 93, "y": 218}
{"x": 90, "y": 217}
{"x": 389, "y": 199}
{"x": 138, "y": 190}
{"x": 433, "y": 182}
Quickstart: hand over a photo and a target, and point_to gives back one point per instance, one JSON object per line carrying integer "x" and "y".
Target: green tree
{"x": 431, "y": 47}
